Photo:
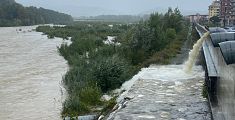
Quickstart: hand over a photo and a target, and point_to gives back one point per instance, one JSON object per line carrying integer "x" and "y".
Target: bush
{"x": 110, "y": 73}
{"x": 204, "y": 90}
{"x": 73, "y": 107}
{"x": 90, "y": 95}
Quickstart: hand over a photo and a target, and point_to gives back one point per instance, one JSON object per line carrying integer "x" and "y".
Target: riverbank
{"x": 97, "y": 68}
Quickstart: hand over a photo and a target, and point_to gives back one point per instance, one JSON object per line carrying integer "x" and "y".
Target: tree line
{"x": 114, "y": 18}
{"x": 14, "y": 14}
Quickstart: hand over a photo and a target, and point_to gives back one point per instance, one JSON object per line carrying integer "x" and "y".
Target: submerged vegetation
{"x": 97, "y": 68}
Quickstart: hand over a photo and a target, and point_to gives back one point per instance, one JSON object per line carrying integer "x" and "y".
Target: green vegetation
{"x": 204, "y": 91}
{"x": 14, "y": 14}
{"x": 215, "y": 21}
{"x": 97, "y": 68}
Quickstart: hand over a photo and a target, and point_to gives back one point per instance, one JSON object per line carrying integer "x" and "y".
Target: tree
{"x": 215, "y": 20}
{"x": 14, "y": 14}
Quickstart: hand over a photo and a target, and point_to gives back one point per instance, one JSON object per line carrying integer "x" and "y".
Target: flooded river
{"x": 30, "y": 75}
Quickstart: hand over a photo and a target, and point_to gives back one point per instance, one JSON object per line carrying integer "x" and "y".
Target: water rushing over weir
{"x": 194, "y": 53}
{"x": 166, "y": 92}
{"x": 30, "y": 74}
{"x": 163, "y": 92}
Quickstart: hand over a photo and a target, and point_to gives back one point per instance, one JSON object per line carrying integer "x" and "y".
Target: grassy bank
{"x": 96, "y": 68}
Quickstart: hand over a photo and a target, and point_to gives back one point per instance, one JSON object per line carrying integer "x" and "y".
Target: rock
{"x": 87, "y": 117}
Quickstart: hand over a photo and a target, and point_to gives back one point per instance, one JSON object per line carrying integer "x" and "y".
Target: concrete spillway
{"x": 220, "y": 75}
{"x": 163, "y": 93}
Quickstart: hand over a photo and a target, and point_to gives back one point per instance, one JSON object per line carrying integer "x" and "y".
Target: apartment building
{"x": 225, "y": 12}
{"x": 233, "y": 11}
{"x": 214, "y": 9}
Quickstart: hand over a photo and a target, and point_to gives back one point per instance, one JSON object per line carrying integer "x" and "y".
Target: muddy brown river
{"x": 31, "y": 71}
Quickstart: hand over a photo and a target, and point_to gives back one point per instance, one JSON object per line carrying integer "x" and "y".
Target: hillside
{"x": 114, "y": 18}
{"x": 14, "y": 14}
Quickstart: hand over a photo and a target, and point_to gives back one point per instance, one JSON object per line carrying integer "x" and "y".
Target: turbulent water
{"x": 163, "y": 73}
{"x": 166, "y": 92}
{"x": 163, "y": 92}
{"x": 194, "y": 53}
{"x": 30, "y": 74}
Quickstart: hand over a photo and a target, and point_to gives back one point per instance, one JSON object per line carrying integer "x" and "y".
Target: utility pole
{"x": 225, "y": 13}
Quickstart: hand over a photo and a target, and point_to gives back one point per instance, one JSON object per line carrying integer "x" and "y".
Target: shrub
{"x": 110, "y": 72}
{"x": 73, "y": 107}
{"x": 90, "y": 95}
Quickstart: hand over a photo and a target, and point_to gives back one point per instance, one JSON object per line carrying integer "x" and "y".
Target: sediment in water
{"x": 193, "y": 54}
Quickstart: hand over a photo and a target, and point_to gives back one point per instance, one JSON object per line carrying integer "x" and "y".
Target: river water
{"x": 30, "y": 75}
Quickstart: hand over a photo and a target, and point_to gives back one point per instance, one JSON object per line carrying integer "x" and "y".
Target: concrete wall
{"x": 225, "y": 82}
{"x": 225, "y": 86}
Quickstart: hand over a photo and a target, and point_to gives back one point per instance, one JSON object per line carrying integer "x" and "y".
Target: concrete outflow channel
{"x": 163, "y": 93}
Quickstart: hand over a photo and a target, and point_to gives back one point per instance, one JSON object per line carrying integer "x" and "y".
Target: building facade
{"x": 214, "y": 9}
{"x": 198, "y": 18}
{"x": 225, "y": 12}
{"x": 233, "y": 11}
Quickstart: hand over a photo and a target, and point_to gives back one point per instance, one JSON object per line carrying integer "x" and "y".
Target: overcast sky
{"x": 119, "y": 7}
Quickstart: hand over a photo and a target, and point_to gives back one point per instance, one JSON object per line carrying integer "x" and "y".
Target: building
{"x": 198, "y": 18}
{"x": 214, "y": 9}
{"x": 233, "y": 11}
{"x": 225, "y": 11}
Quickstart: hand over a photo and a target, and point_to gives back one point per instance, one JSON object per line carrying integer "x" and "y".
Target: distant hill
{"x": 7, "y": 1}
{"x": 114, "y": 18}
{"x": 14, "y": 14}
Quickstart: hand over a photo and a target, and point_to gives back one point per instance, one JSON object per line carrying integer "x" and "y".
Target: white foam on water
{"x": 174, "y": 73}
{"x": 146, "y": 116}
